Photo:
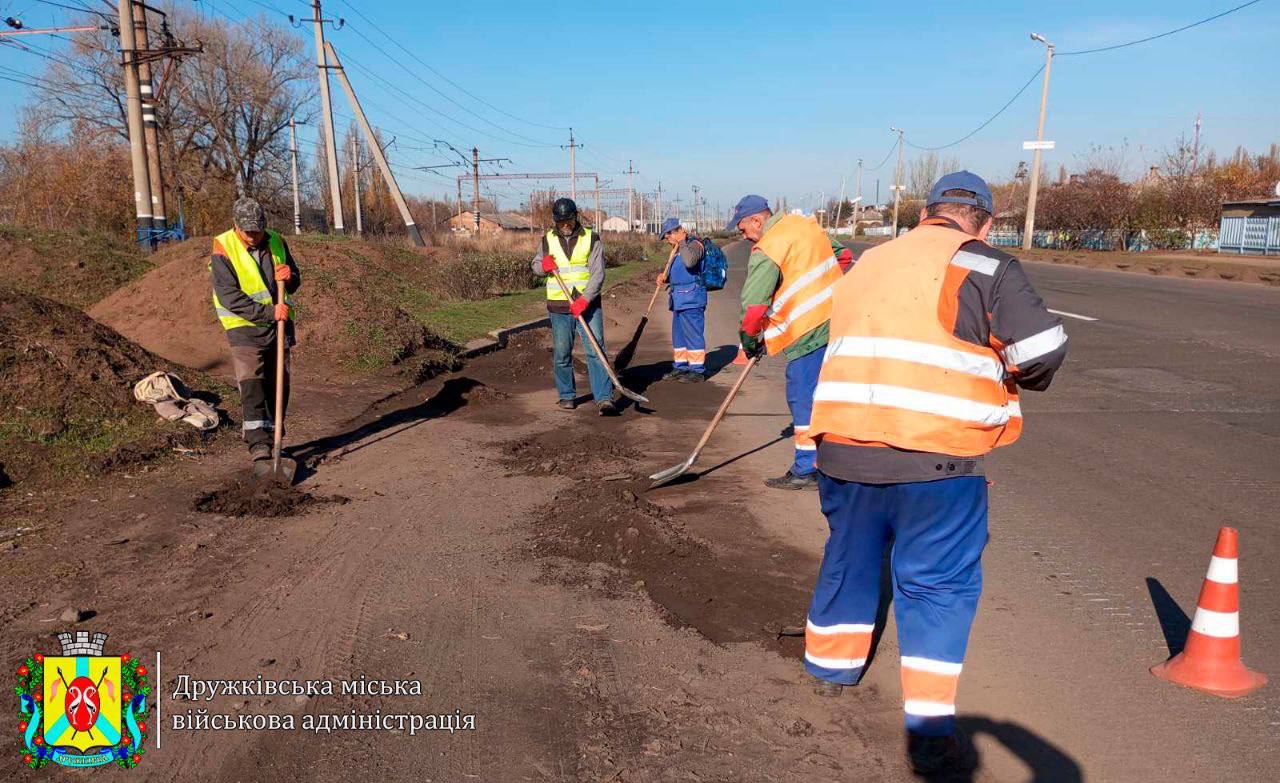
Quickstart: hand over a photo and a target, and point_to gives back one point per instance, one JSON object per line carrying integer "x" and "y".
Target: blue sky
{"x": 782, "y": 98}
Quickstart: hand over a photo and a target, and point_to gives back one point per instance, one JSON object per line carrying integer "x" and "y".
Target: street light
{"x": 1029, "y": 227}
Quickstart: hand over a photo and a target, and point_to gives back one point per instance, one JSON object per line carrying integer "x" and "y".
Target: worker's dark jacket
{"x": 227, "y": 287}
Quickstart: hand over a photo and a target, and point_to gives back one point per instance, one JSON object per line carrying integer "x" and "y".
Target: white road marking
{"x": 1072, "y": 315}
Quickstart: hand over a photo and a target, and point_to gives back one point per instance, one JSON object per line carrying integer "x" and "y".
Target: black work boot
{"x": 790, "y": 480}
{"x": 692, "y": 376}
{"x": 673, "y": 374}
{"x": 259, "y": 451}
{"x": 936, "y": 757}
{"x": 607, "y": 408}
{"x": 568, "y": 405}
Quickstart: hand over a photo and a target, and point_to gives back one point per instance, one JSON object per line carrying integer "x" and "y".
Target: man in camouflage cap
{"x": 245, "y": 264}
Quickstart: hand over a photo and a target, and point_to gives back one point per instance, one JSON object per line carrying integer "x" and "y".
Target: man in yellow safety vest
{"x": 245, "y": 264}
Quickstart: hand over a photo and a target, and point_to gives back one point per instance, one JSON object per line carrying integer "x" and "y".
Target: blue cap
{"x": 749, "y": 205}
{"x": 961, "y": 180}
{"x": 669, "y": 225}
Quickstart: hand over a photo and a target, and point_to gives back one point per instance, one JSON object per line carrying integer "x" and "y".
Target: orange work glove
{"x": 282, "y": 312}
{"x": 283, "y": 273}
{"x": 548, "y": 265}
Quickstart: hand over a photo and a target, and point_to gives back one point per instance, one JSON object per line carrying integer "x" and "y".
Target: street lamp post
{"x": 1029, "y": 227}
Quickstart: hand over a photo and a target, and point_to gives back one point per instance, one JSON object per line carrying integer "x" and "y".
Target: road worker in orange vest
{"x": 786, "y": 303}
{"x": 932, "y": 334}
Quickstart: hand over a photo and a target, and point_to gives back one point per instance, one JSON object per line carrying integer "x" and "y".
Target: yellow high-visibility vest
{"x": 249, "y": 274}
{"x": 573, "y": 270}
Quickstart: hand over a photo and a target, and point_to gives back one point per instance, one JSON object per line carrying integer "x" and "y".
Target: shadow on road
{"x": 1048, "y": 763}
{"x": 451, "y": 397}
{"x": 1173, "y": 621}
{"x": 721, "y": 358}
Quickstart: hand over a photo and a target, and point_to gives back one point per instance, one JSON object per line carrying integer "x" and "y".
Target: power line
{"x": 989, "y": 120}
{"x": 879, "y": 165}
{"x": 457, "y": 86}
{"x": 1206, "y": 20}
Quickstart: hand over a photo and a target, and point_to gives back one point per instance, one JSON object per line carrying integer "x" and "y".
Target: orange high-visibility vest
{"x": 894, "y": 374}
{"x": 803, "y": 301}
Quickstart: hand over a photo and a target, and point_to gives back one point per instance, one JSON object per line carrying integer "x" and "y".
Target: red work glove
{"x": 578, "y": 306}
{"x": 754, "y": 320}
{"x": 282, "y": 312}
{"x": 548, "y": 265}
{"x": 845, "y": 259}
{"x": 283, "y": 273}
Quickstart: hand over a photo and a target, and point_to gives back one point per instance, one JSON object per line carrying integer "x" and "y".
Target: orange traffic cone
{"x": 1211, "y": 659}
{"x": 741, "y": 358}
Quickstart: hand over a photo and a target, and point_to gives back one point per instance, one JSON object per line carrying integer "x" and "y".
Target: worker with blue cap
{"x": 687, "y": 301}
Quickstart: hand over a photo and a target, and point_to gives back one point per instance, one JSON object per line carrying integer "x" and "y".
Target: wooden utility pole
{"x": 137, "y": 133}
{"x": 355, "y": 182}
{"x": 326, "y": 121}
{"x": 375, "y": 149}
{"x": 293, "y": 165}
{"x": 151, "y": 128}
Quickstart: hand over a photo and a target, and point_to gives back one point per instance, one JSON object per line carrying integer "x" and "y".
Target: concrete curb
{"x": 497, "y": 339}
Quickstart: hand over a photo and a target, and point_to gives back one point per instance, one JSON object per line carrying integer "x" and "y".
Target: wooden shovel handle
{"x": 279, "y": 411}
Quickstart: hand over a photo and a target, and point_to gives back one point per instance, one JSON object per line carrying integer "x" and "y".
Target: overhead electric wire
{"x": 878, "y": 166}
{"x": 988, "y": 121}
{"x": 1166, "y": 34}
{"x": 456, "y": 86}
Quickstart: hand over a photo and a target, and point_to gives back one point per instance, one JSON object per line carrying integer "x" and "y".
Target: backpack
{"x": 715, "y": 267}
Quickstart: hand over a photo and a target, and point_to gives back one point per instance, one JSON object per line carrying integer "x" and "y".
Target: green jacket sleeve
{"x": 763, "y": 276}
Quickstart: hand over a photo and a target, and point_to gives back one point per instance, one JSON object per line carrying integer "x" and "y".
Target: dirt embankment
{"x": 66, "y": 395}
{"x": 76, "y": 268}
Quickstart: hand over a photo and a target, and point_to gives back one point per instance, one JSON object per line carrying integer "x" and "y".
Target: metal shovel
{"x": 595, "y": 344}
{"x": 676, "y": 471}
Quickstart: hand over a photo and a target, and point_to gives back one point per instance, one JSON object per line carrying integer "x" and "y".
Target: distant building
{"x": 614, "y": 223}
{"x": 1250, "y": 226}
{"x": 490, "y": 222}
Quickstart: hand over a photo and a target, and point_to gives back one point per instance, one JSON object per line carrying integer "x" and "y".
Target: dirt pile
{"x": 66, "y": 399}
{"x": 606, "y": 518}
{"x": 245, "y": 498}
{"x": 72, "y": 267}
{"x": 351, "y": 314}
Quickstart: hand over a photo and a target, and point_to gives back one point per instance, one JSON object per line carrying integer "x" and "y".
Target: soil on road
{"x": 469, "y": 535}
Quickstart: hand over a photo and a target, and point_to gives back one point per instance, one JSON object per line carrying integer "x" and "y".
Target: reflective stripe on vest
{"x": 893, "y": 373}
{"x": 573, "y": 270}
{"x": 249, "y": 275}
{"x": 802, "y": 252}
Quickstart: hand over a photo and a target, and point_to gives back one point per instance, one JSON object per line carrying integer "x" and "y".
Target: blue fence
{"x": 1105, "y": 239}
{"x": 1251, "y": 235}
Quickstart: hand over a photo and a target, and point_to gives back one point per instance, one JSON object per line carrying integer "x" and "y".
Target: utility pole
{"x": 355, "y": 182}
{"x": 897, "y": 180}
{"x": 375, "y": 149}
{"x": 599, "y": 219}
{"x": 151, "y": 134}
{"x": 697, "y": 213}
{"x": 840, "y": 204}
{"x": 326, "y": 121}
{"x": 1028, "y": 230}
{"x": 293, "y": 155}
{"x": 1196, "y": 145}
{"x": 661, "y": 216}
{"x": 631, "y": 196}
{"x": 857, "y": 205}
{"x": 137, "y": 136}
{"x": 573, "y": 171}
{"x": 677, "y": 200}
{"x": 476, "y": 160}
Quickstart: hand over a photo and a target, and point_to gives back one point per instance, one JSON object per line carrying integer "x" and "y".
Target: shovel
{"x": 624, "y": 356}
{"x": 283, "y": 468}
{"x": 676, "y": 471}
{"x": 595, "y": 344}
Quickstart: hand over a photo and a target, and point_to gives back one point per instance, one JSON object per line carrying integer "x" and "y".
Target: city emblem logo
{"x": 82, "y": 708}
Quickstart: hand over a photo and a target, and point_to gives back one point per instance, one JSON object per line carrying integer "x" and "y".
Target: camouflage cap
{"x": 249, "y": 215}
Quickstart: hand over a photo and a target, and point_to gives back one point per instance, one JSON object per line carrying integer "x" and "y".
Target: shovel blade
{"x": 670, "y": 474}
{"x": 630, "y": 395}
{"x": 265, "y": 471}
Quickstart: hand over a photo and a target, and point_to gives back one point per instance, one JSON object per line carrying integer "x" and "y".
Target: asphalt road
{"x": 1161, "y": 427}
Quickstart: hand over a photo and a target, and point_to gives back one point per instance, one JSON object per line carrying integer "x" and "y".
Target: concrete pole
{"x": 857, "y": 207}
{"x": 355, "y": 182}
{"x": 661, "y": 216}
{"x": 137, "y": 138}
{"x": 897, "y": 186}
{"x": 1028, "y": 230}
{"x": 293, "y": 155}
{"x": 326, "y": 122}
{"x": 573, "y": 174}
{"x": 475, "y": 180}
{"x": 631, "y": 197}
{"x": 375, "y": 149}
{"x": 599, "y": 219}
{"x": 840, "y": 204}
{"x": 151, "y": 128}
